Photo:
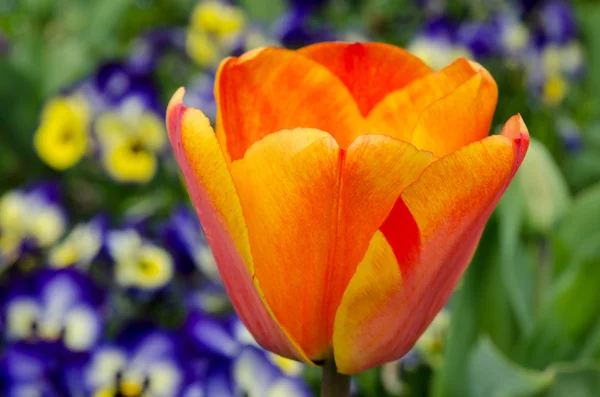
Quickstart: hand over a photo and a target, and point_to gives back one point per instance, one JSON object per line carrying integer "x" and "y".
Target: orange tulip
{"x": 344, "y": 192}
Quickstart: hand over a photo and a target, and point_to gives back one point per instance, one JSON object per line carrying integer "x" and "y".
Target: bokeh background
{"x": 107, "y": 287}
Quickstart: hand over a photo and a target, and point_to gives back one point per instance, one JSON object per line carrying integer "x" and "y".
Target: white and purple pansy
{"x": 59, "y": 311}
{"x": 143, "y": 362}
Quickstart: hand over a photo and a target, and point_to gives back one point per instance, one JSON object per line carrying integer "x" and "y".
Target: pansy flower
{"x": 30, "y": 220}
{"x": 56, "y": 310}
{"x": 131, "y": 138}
{"x": 213, "y": 31}
{"x": 229, "y": 338}
{"x": 24, "y": 371}
{"x": 63, "y": 136}
{"x": 142, "y": 362}
{"x": 139, "y": 263}
{"x": 80, "y": 247}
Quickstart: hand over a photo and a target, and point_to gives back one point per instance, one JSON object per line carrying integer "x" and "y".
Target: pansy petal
{"x": 288, "y": 187}
{"x": 272, "y": 89}
{"x": 397, "y": 114}
{"x": 449, "y": 204}
{"x": 369, "y": 70}
{"x": 214, "y": 196}
{"x": 462, "y": 117}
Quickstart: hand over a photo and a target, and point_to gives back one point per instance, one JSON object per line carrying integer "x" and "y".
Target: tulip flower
{"x": 344, "y": 192}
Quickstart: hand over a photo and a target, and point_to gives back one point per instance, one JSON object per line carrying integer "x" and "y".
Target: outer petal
{"x": 462, "y": 117}
{"x": 398, "y": 113}
{"x": 288, "y": 187}
{"x": 273, "y": 89}
{"x": 216, "y": 201}
{"x": 370, "y": 70}
{"x": 450, "y": 204}
{"x": 307, "y": 229}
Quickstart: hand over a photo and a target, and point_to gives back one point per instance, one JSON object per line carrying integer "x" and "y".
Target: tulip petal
{"x": 300, "y": 218}
{"x": 398, "y": 113}
{"x": 376, "y": 170}
{"x": 369, "y": 70}
{"x": 213, "y": 194}
{"x": 462, "y": 117}
{"x": 272, "y": 89}
{"x": 288, "y": 186}
{"x": 450, "y": 204}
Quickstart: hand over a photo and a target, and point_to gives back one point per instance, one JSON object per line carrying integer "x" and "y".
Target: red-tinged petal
{"x": 462, "y": 117}
{"x": 397, "y": 114}
{"x": 450, "y": 204}
{"x": 272, "y": 89}
{"x": 213, "y": 194}
{"x": 376, "y": 170}
{"x": 369, "y": 70}
{"x": 288, "y": 187}
{"x": 294, "y": 204}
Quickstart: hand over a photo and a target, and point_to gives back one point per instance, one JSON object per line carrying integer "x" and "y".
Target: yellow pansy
{"x": 555, "y": 89}
{"x": 130, "y": 138}
{"x": 63, "y": 135}
{"x": 213, "y": 30}
{"x": 139, "y": 263}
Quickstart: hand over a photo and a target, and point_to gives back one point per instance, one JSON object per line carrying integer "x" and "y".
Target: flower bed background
{"x": 106, "y": 283}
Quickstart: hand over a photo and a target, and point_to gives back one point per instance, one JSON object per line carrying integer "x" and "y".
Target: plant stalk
{"x": 333, "y": 383}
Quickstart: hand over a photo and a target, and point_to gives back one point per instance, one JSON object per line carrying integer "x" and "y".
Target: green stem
{"x": 333, "y": 383}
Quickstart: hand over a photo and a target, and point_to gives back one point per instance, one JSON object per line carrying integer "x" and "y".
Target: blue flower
{"x": 183, "y": 234}
{"x": 479, "y": 36}
{"x": 30, "y": 220}
{"x": 255, "y": 372}
{"x": 56, "y": 310}
{"x": 295, "y": 29}
{"x": 557, "y": 22}
{"x": 143, "y": 361}
{"x": 24, "y": 371}
{"x": 116, "y": 82}
{"x": 139, "y": 263}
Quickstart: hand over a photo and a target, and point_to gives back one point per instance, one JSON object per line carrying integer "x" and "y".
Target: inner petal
{"x": 273, "y": 89}
{"x": 369, "y": 70}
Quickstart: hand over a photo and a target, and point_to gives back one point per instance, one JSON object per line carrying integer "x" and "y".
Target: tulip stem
{"x": 334, "y": 384}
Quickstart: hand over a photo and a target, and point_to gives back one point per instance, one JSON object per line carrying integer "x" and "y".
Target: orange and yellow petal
{"x": 449, "y": 204}
{"x": 369, "y": 70}
{"x": 397, "y": 114}
{"x": 375, "y": 171}
{"x": 288, "y": 188}
{"x": 461, "y": 117}
{"x": 271, "y": 89}
{"x": 217, "y": 204}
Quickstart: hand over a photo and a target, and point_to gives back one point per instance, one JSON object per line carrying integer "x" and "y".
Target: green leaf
{"x": 588, "y": 16}
{"x": 569, "y": 316}
{"x": 515, "y": 270}
{"x": 493, "y": 375}
{"x": 580, "y": 379}
{"x": 545, "y": 190}
{"x": 480, "y": 306}
{"x": 579, "y": 229}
